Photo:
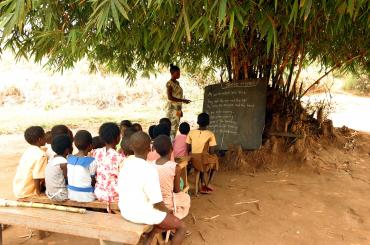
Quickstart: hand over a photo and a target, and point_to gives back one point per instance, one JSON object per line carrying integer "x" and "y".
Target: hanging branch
{"x": 328, "y": 72}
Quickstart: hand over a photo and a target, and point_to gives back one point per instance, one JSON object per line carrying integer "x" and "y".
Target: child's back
{"x": 198, "y": 139}
{"x": 56, "y": 170}
{"x": 81, "y": 169}
{"x": 139, "y": 190}
{"x": 180, "y": 148}
{"x": 108, "y": 162}
{"x": 31, "y": 169}
{"x": 80, "y": 172}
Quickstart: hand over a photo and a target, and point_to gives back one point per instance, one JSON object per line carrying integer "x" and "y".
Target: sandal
{"x": 209, "y": 188}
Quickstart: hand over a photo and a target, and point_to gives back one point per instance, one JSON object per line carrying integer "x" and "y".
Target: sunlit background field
{"x": 33, "y": 95}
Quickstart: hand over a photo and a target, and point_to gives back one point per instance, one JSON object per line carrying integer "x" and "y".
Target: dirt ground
{"x": 296, "y": 205}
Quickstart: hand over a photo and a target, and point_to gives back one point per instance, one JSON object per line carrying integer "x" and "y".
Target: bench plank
{"x": 95, "y": 204}
{"x": 109, "y": 227}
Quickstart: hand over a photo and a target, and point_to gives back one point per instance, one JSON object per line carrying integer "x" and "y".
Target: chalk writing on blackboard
{"x": 237, "y": 112}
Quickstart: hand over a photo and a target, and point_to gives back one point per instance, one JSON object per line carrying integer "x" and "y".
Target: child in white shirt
{"x": 140, "y": 192}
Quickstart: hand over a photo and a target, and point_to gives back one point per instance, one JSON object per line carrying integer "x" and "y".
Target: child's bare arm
{"x": 160, "y": 206}
{"x": 176, "y": 186}
{"x": 212, "y": 149}
{"x": 64, "y": 169}
{"x": 189, "y": 148}
{"x": 38, "y": 183}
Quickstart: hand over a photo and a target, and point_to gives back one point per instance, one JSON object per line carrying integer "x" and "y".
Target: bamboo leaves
{"x": 127, "y": 35}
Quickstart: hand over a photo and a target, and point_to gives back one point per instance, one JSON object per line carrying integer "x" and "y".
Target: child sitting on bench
{"x": 30, "y": 174}
{"x": 202, "y": 144}
{"x": 140, "y": 192}
{"x": 81, "y": 169}
{"x": 108, "y": 162}
{"x": 169, "y": 177}
{"x": 56, "y": 170}
{"x": 180, "y": 148}
{"x": 55, "y": 131}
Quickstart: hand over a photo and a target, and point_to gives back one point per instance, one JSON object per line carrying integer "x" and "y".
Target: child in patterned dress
{"x": 108, "y": 163}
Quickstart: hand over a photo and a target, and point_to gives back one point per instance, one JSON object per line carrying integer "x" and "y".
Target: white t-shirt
{"x": 139, "y": 189}
{"x": 49, "y": 152}
{"x": 54, "y": 178}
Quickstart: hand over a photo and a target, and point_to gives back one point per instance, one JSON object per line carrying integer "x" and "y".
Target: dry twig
{"x": 234, "y": 215}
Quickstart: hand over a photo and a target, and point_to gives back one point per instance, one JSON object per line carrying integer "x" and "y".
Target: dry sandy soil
{"x": 296, "y": 205}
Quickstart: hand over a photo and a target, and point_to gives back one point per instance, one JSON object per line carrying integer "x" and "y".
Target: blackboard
{"x": 237, "y": 112}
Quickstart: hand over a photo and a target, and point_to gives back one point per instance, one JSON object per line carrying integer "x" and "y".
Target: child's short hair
{"x": 161, "y": 129}
{"x": 97, "y": 142}
{"x": 166, "y": 121}
{"x": 125, "y": 146}
{"x": 184, "y": 128}
{"x": 151, "y": 131}
{"x": 140, "y": 142}
{"x": 125, "y": 123}
{"x": 130, "y": 131}
{"x": 203, "y": 119}
{"x": 83, "y": 140}
{"x": 137, "y": 126}
{"x": 109, "y": 132}
{"x": 34, "y": 134}
{"x": 61, "y": 143}
{"x": 162, "y": 145}
{"x": 59, "y": 130}
{"x": 48, "y": 137}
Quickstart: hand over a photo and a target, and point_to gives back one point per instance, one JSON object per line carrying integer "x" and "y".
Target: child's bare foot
{"x": 205, "y": 190}
{"x": 210, "y": 188}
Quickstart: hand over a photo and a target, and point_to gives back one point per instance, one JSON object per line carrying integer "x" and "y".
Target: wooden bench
{"x": 93, "y": 205}
{"x": 102, "y": 226}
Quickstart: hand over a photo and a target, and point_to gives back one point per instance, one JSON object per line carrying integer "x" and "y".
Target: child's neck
{"x": 82, "y": 153}
{"x": 202, "y": 128}
{"x": 64, "y": 155}
{"x": 163, "y": 160}
{"x": 113, "y": 146}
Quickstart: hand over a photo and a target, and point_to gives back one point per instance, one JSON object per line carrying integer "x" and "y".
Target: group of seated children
{"x": 122, "y": 164}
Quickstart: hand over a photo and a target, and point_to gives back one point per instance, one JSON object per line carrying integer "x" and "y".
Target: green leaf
{"x": 115, "y": 13}
{"x": 351, "y": 7}
{"x": 276, "y": 4}
{"x": 186, "y": 22}
{"x": 122, "y": 11}
{"x": 222, "y": 11}
{"x": 178, "y": 23}
{"x": 307, "y": 9}
{"x": 342, "y": 8}
{"x": 294, "y": 12}
{"x": 196, "y": 23}
{"x": 231, "y": 25}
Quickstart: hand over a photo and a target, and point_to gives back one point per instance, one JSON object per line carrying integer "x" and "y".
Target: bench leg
{"x": 1, "y": 234}
{"x": 197, "y": 177}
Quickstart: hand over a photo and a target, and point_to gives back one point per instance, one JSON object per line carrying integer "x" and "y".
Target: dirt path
{"x": 295, "y": 206}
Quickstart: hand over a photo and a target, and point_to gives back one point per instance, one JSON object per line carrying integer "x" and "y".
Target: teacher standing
{"x": 175, "y": 97}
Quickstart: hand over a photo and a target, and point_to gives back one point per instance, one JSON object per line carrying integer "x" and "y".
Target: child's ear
{"x": 90, "y": 148}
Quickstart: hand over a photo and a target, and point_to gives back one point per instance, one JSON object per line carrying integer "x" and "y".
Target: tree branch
{"x": 328, "y": 72}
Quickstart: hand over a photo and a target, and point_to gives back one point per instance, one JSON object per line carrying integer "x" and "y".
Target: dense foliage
{"x": 248, "y": 39}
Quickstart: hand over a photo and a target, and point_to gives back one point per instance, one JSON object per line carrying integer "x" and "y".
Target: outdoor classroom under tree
{"x": 266, "y": 41}
{"x": 259, "y": 47}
